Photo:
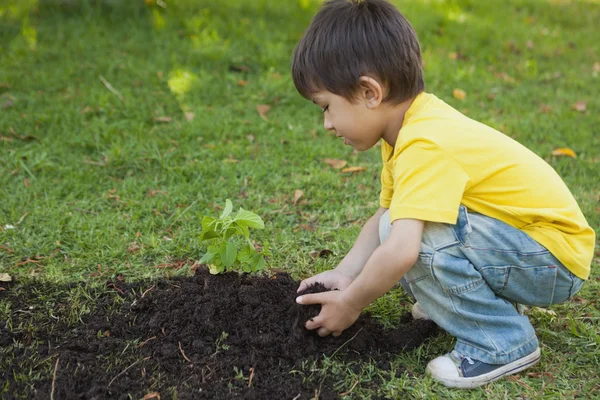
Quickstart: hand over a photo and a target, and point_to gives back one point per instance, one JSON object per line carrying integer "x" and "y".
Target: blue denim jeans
{"x": 468, "y": 276}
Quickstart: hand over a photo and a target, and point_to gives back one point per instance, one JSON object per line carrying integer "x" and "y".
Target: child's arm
{"x": 349, "y": 268}
{"x": 388, "y": 263}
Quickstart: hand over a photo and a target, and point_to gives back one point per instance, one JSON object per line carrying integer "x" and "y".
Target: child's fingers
{"x": 303, "y": 285}
{"x": 315, "y": 298}
{"x": 313, "y": 323}
{"x": 323, "y": 332}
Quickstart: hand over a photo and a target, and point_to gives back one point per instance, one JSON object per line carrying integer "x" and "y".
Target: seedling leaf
{"x": 228, "y": 209}
{"x": 249, "y": 218}
{"x": 228, "y": 254}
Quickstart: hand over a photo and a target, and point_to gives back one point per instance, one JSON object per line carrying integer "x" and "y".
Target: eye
{"x": 326, "y": 108}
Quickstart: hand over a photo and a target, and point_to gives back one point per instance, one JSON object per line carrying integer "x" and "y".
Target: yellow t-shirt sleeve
{"x": 428, "y": 184}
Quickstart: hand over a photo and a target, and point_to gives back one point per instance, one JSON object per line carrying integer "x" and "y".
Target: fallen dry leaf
{"x": 580, "y": 106}
{"x": 459, "y": 94}
{"x": 297, "y": 194}
{"x": 335, "y": 163}
{"x": 354, "y": 169}
{"x": 26, "y": 182}
{"x": 163, "y": 119}
{"x": 596, "y": 67}
{"x": 5, "y": 277}
{"x": 250, "y": 138}
{"x": 209, "y": 146}
{"x": 529, "y": 44}
{"x": 263, "y": 110}
{"x": 154, "y": 192}
{"x": 453, "y": 55}
{"x": 242, "y": 83}
{"x": 189, "y": 116}
{"x": 320, "y": 253}
{"x": 564, "y": 151}
{"x": 133, "y": 248}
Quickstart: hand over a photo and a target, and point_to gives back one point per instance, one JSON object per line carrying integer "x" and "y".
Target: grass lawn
{"x": 122, "y": 124}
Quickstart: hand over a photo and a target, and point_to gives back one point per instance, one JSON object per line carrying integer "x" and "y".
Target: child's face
{"x": 358, "y": 123}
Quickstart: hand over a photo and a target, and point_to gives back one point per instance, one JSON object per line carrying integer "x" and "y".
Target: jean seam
{"x": 464, "y": 288}
{"x": 572, "y": 285}
{"x": 554, "y": 287}
{"x": 521, "y": 253}
{"x": 501, "y": 353}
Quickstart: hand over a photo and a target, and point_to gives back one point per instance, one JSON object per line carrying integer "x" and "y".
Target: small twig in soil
{"x": 297, "y": 397}
{"x": 251, "y": 377}
{"x": 112, "y": 285}
{"x": 351, "y": 389}
{"x": 112, "y": 89}
{"x": 147, "y": 290}
{"x": 125, "y": 370}
{"x": 146, "y": 341}
{"x": 346, "y": 342}
{"x": 183, "y": 354}
{"x": 153, "y": 395}
{"x": 54, "y": 378}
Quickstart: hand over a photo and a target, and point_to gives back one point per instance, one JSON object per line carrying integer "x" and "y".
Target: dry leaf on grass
{"x": 163, "y": 119}
{"x": 459, "y": 94}
{"x": 263, "y": 110}
{"x": 354, "y": 169}
{"x": 154, "y": 192}
{"x": 189, "y": 116}
{"x": 242, "y": 83}
{"x": 564, "y": 151}
{"x": 580, "y": 106}
{"x": 320, "y": 253}
{"x": 26, "y": 182}
{"x": 297, "y": 194}
{"x": 337, "y": 164}
{"x": 5, "y": 278}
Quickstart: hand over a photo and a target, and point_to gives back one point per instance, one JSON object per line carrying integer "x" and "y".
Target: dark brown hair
{"x": 351, "y": 38}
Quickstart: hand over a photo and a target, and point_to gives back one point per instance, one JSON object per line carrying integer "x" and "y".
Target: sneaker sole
{"x": 476, "y": 381}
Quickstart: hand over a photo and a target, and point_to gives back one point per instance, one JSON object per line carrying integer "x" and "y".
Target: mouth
{"x": 346, "y": 141}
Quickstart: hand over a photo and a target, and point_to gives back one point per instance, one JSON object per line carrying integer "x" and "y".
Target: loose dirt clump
{"x": 205, "y": 337}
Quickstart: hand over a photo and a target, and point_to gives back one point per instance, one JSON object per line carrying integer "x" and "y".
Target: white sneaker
{"x": 453, "y": 370}
{"x": 418, "y": 312}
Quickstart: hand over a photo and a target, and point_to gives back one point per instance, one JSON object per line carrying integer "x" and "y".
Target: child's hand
{"x": 336, "y": 313}
{"x": 332, "y": 279}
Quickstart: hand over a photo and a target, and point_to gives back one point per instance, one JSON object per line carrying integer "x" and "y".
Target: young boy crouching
{"x": 470, "y": 220}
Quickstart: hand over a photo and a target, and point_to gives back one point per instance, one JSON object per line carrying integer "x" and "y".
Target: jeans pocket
{"x": 462, "y": 228}
{"x": 534, "y": 286}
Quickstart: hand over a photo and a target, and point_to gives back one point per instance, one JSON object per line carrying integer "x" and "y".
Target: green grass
{"x": 79, "y": 162}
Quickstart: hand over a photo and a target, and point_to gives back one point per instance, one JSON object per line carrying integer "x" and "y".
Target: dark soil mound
{"x": 205, "y": 337}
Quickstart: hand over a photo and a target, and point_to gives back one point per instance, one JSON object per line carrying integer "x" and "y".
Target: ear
{"x": 370, "y": 92}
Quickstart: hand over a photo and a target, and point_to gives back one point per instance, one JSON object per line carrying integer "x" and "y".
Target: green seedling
{"x": 230, "y": 246}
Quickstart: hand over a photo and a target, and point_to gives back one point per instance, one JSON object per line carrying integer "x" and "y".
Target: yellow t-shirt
{"x": 443, "y": 159}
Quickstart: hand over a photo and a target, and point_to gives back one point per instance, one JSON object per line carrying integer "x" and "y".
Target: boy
{"x": 470, "y": 220}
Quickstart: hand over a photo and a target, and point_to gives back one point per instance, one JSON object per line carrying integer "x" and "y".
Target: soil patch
{"x": 201, "y": 337}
